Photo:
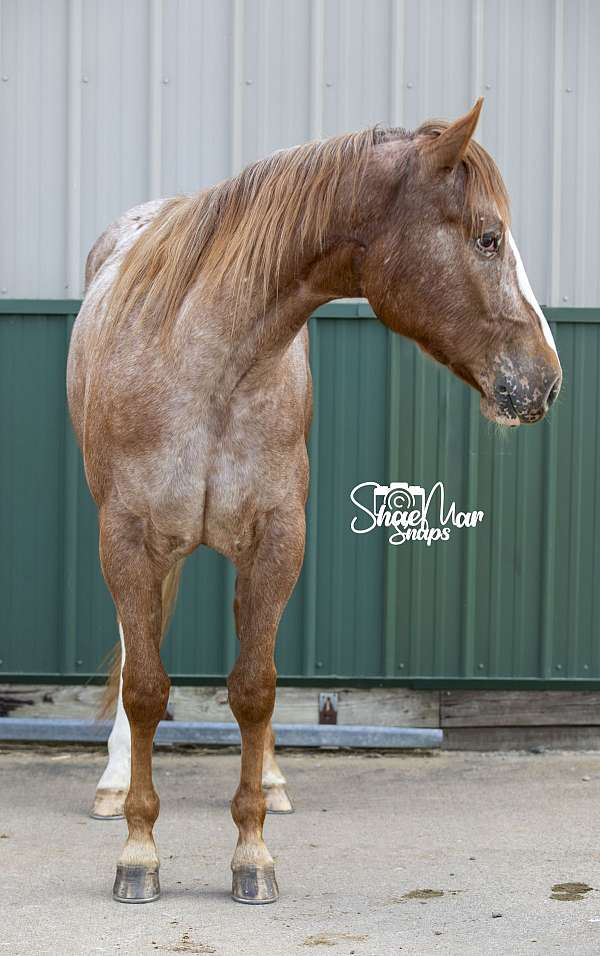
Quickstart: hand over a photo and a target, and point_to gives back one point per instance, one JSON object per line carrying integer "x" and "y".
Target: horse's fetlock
{"x": 248, "y": 808}
{"x": 142, "y": 809}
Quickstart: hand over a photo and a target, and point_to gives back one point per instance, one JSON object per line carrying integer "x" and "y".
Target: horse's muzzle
{"x": 529, "y": 397}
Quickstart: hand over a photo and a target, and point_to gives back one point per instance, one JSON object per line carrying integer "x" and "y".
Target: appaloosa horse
{"x": 190, "y": 393}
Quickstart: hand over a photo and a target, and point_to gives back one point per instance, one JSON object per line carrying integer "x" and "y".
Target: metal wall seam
{"x": 70, "y": 500}
{"x": 73, "y": 212}
{"x": 391, "y": 616}
{"x": 581, "y": 199}
{"x": 557, "y": 149}
{"x": 237, "y": 88}
{"x": 155, "y": 97}
{"x": 548, "y": 583}
{"x": 477, "y": 28}
{"x": 397, "y": 31}
{"x": 310, "y": 571}
{"x": 317, "y": 60}
{"x": 470, "y": 569}
{"x": 496, "y": 577}
{"x": 441, "y": 565}
{"x": 420, "y": 437}
{"x": 230, "y": 644}
{"x": 578, "y": 398}
{"x": 520, "y": 539}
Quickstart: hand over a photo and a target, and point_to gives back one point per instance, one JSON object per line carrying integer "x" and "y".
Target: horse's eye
{"x": 488, "y": 243}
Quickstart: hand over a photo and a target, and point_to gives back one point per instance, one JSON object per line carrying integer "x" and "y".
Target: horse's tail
{"x": 170, "y": 586}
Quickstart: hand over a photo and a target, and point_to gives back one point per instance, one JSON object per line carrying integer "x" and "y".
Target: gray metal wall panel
{"x": 108, "y": 102}
{"x": 114, "y": 112}
{"x": 33, "y": 95}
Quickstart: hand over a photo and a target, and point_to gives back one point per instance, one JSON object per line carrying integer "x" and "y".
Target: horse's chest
{"x": 250, "y": 475}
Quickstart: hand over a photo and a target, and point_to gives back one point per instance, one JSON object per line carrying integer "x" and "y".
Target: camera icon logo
{"x": 399, "y": 496}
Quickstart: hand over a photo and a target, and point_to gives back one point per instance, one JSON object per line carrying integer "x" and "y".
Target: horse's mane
{"x": 241, "y": 228}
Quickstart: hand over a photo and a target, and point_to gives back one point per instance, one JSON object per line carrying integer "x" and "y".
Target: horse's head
{"x": 443, "y": 269}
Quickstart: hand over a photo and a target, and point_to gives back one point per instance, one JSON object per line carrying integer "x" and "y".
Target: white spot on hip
{"x": 528, "y": 293}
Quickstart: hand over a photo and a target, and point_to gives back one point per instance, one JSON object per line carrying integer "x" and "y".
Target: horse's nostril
{"x": 553, "y": 391}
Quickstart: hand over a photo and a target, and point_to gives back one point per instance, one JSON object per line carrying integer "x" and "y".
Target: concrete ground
{"x": 448, "y": 853}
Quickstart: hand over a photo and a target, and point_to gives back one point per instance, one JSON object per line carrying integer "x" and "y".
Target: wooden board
{"x": 519, "y": 708}
{"x": 388, "y": 707}
{"x": 522, "y": 738}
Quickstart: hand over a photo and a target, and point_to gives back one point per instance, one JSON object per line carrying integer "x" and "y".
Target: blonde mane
{"x": 242, "y": 228}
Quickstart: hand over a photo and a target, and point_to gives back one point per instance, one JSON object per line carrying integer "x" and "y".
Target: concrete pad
{"x": 407, "y": 854}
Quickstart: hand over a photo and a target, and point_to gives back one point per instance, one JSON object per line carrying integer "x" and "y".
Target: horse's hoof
{"x": 254, "y": 884}
{"x": 108, "y": 805}
{"x": 136, "y": 884}
{"x": 277, "y": 800}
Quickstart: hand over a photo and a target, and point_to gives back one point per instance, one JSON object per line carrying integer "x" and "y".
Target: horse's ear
{"x": 447, "y": 150}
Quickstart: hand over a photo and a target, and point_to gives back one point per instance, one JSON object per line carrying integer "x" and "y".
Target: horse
{"x": 190, "y": 394}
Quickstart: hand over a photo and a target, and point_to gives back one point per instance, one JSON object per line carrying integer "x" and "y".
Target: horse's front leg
{"x": 135, "y": 580}
{"x": 266, "y": 580}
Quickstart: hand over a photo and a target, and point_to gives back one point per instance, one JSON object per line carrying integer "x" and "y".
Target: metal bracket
{"x": 328, "y": 708}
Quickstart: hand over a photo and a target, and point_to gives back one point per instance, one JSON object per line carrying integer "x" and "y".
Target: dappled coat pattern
{"x": 190, "y": 394}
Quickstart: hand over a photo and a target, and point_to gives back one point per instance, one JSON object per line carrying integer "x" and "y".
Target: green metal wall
{"x": 514, "y": 600}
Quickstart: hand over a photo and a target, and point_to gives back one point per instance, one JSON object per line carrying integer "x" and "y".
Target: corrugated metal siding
{"x": 516, "y": 598}
{"x": 104, "y": 103}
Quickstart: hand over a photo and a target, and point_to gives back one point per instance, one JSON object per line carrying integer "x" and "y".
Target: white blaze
{"x": 118, "y": 772}
{"x": 528, "y": 293}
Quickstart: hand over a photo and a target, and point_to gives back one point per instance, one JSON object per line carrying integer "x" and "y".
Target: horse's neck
{"x": 316, "y": 279}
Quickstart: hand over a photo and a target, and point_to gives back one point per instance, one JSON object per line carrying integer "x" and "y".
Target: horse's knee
{"x": 252, "y": 692}
{"x": 145, "y": 694}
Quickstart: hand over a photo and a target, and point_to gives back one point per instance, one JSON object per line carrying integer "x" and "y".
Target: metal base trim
{"x": 71, "y": 730}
